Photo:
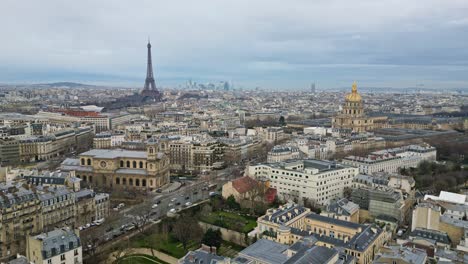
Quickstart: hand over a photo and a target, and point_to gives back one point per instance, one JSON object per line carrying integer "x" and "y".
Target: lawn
{"x": 157, "y": 241}
{"x": 141, "y": 259}
{"x": 233, "y": 221}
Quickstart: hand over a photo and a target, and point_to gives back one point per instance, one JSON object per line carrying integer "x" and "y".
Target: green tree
{"x": 231, "y": 203}
{"x": 212, "y": 238}
{"x": 282, "y": 121}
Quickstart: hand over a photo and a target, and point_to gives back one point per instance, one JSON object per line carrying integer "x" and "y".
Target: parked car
{"x": 188, "y": 204}
{"x": 154, "y": 206}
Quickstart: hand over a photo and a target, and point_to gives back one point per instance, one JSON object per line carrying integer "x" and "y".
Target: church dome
{"x": 354, "y": 96}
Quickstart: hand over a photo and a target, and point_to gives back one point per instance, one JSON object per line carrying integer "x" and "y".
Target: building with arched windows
{"x": 122, "y": 169}
{"x": 352, "y": 116}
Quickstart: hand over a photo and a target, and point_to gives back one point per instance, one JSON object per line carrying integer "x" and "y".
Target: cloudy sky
{"x": 268, "y": 43}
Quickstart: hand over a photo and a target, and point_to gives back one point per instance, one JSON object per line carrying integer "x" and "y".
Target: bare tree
{"x": 120, "y": 252}
{"x": 142, "y": 215}
{"x": 187, "y": 229}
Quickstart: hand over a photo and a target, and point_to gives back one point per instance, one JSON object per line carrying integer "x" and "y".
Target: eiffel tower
{"x": 150, "y": 92}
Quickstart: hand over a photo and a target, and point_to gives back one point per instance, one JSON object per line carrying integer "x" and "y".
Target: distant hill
{"x": 65, "y": 84}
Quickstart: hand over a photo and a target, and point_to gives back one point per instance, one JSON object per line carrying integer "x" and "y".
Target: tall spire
{"x": 150, "y": 90}
{"x": 149, "y": 82}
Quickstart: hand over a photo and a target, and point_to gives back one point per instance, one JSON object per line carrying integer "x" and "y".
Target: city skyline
{"x": 385, "y": 44}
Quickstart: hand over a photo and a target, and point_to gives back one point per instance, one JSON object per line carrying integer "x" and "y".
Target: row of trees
{"x": 438, "y": 176}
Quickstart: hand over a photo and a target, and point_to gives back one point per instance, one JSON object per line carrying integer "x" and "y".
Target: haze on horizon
{"x": 267, "y": 43}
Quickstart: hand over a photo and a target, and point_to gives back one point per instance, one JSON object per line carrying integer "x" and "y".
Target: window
{"x": 134, "y": 164}
{"x": 117, "y": 180}
{"x": 141, "y": 164}
{"x": 128, "y": 164}
{"x": 143, "y": 183}
{"x": 62, "y": 257}
{"x": 137, "y": 182}
{"x": 89, "y": 162}
{"x": 49, "y": 261}
{"x": 130, "y": 181}
{"x": 121, "y": 163}
{"x": 124, "y": 181}
{"x": 76, "y": 252}
{"x": 83, "y": 162}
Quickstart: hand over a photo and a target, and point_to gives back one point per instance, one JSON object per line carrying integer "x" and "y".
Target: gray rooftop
{"x": 58, "y": 241}
{"x": 115, "y": 153}
{"x": 266, "y": 251}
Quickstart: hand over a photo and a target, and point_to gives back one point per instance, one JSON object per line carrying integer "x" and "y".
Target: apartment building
{"x": 192, "y": 153}
{"x": 291, "y": 223}
{"x": 20, "y": 215}
{"x": 59, "y": 246}
{"x": 283, "y": 153}
{"x": 58, "y": 206}
{"x": 392, "y": 160}
{"x": 313, "y": 180}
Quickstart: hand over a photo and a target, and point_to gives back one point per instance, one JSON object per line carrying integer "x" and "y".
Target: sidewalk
{"x": 171, "y": 187}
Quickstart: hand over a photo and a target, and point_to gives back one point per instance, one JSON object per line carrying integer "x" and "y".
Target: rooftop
{"x": 114, "y": 153}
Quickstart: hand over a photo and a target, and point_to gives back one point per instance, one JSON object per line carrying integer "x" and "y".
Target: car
{"x": 173, "y": 211}
{"x": 80, "y": 228}
{"x": 115, "y": 208}
{"x": 173, "y": 199}
{"x": 178, "y": 203}
{"x": 170, "y": 205}
{"x": 130, "y": 227}
{"x": 99, "y": 221}
{"x": 186, "y": 198}
{"x": 213, "y": 193}
{"x": 159, "y": 190}
{"x": 158, "y": 202}
{"x": 188, "y": 204}
{"x": 88, "y": 225}
{"x": 195, "y": 193}
{"x": 400, "y": 233}
{"x": 154, "y": 206}
{"x": 121, "y": 205}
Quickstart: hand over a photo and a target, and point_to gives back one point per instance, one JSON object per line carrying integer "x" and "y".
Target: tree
{"x": 142, "y": 215}
{"x": 282, "y": 121}
{"x": 212, "y": 238}
{"x": 187, "y": 229}
{"x": 232, "y": 203}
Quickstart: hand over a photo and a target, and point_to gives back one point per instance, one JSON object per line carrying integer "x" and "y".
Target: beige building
{"x": 426, "y": 215}
{"x": 291, "y": 223}
{"x": 20, "y": 215}
{"x": 102, "y": 201}
{"x": 343, "y": 210}
{"x": 41, "y": 148}
{"x": 192, "y": 153}
{"x": 85, "y": 207}
{"x": 60, "y": 246}
{"x": 122, "y": 169}
{"x": 283, "y": 153}
{"x": 58, "y": 207}
{"x": 352, "y": 116}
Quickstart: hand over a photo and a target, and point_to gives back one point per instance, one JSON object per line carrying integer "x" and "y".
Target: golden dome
{"x": 354, "y": 96}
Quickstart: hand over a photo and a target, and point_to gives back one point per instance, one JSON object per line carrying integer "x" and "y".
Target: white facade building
{"x": 282, "y": 153}
{"x": 392, "y": 160}
{"x": 314, "y": 180}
